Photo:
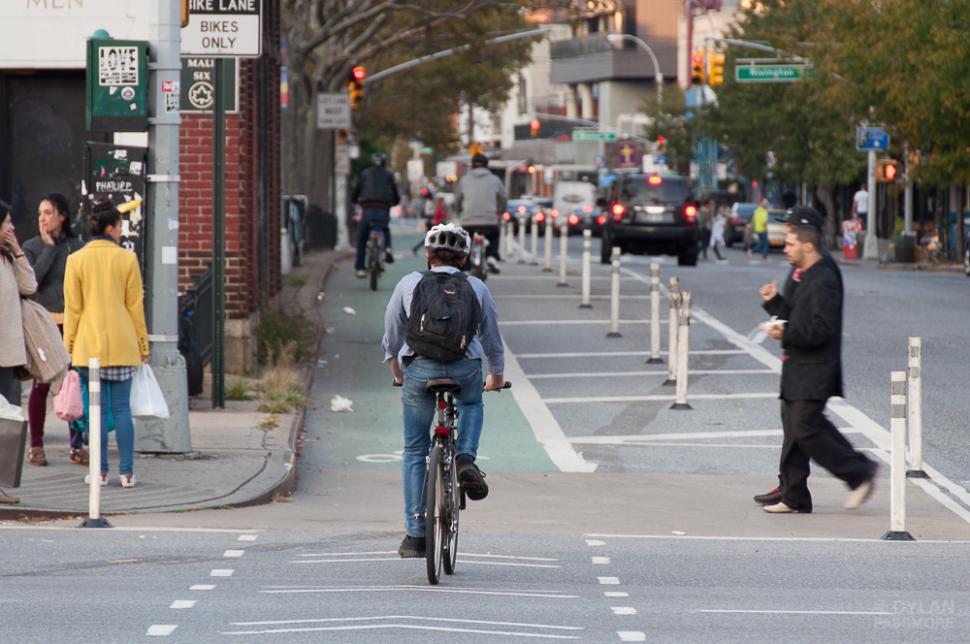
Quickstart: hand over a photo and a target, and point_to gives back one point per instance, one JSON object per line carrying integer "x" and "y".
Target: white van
{"x": 576, "y": 199}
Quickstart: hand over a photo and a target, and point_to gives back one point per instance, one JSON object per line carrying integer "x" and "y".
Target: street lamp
{"x": 617, "y": 38}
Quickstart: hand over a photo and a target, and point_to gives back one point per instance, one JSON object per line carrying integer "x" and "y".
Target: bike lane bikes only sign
{"x": 224, "y": 29}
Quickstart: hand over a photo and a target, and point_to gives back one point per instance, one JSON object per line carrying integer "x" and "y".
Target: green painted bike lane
{"x": 371, "y": 435}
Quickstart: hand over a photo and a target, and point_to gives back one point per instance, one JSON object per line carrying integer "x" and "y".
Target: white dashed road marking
{"x": 623, "y": 610}
{"x": 601, "y": 561}
{"x": 233, "y": 553}
{"x": 609, "y": 581}
{"x": 615, "y": 594}
{"x": 202, "y": 587}
{"x": 632, "y": 636}
{"x": 183, "y": 603}
{"x": 161, "y": 630}
{"x": 247, "y": 537}
{"x": 221, "y": 572}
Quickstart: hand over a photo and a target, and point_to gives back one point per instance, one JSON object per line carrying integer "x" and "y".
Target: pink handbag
{"x": 68, "y": 404}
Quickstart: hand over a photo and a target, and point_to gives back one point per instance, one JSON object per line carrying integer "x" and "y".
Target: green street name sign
{"x": 593, "y": 135}
{"x": 772, "y": 73}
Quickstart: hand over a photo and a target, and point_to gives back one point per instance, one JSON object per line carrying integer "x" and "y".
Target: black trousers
{"x": 491, "y": 234}
{"x": 809, "y": 435}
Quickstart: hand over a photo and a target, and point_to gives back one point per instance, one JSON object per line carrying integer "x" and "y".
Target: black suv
{"x": 652, "y": 214}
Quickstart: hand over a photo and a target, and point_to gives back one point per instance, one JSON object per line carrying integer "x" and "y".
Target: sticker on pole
{"x": 117, "y": 66}
{"x": 224, "y": 29}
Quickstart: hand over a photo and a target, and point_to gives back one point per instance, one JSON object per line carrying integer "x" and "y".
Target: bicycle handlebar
{"x": 507, "y": 385}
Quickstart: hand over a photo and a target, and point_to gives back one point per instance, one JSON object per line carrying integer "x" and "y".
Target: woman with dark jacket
{"x": 47, "y": 253}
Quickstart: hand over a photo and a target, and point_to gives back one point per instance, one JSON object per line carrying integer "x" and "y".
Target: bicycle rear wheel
{"x": 452, "y": 502}
{"x": 434, "y": 516}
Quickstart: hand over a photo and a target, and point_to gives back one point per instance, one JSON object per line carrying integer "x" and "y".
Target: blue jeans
{"x": 762, "y": 244}
{"x": 419, "y": 413}
{"x": 372, "y": 217}
{"x": 124, "y": 426}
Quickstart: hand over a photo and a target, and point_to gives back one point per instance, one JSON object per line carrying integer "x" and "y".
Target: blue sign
{"x": 869, "y": 139}
{"x": 661, "y": 159}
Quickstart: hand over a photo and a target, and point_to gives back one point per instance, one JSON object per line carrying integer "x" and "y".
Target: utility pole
{"x": 172, "y": 434}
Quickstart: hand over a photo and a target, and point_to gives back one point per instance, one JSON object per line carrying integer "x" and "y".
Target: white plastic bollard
{"x": 914, "y": 400}
{"x": 509, "y": 238}
{"x": 547, "y": 246}
{"x": 563, "y": 252}
{"x": 615, "y": 294}
{"x": 584, "y": 302}
{"x": 94, "y": 520}
{"x": 534, "y": 242}
{"x": 897, "y": 473}
{"x": 654, "y": 314}
{"x": 673, "y": 317}
{"x": 683, "y": 344}
{"x": 521, "y": 259}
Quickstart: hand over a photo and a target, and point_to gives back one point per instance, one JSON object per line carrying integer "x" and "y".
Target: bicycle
{"x": 374, "y": 258}
{"x": 444, "y": 498}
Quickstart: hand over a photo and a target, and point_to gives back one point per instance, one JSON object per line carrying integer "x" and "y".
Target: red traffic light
{"x": 359, "y": 73}
{"x": 661, "y": 139}
{"x": 890, "y": 172}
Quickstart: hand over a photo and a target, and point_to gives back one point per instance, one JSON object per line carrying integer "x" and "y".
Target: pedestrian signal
{"x": 697, "y": 68}
{"x": 355, "y": 87}
{"x": 887, "y": 170}
{"x": 715, "y": 68}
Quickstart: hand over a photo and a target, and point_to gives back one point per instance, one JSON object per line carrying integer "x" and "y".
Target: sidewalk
{"x": 955, "y": 266}
{"x": 235, "y": 461}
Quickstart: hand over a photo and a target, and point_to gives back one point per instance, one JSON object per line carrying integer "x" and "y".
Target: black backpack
{"x": 445, "y": 316}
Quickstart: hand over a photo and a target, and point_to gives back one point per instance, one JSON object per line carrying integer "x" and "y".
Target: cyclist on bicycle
{"x": 375, "y": 192}
{"x": 480, "y": 198}
{"x": 438, "y": 311}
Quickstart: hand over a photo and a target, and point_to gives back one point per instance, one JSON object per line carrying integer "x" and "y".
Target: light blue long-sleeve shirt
{"x": 488, "y": 344}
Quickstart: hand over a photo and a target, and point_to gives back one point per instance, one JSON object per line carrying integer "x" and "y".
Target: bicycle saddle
{"x": 442, "y": 385}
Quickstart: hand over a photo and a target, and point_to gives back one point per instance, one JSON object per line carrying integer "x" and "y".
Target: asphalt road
{"x": 612, "y": 517}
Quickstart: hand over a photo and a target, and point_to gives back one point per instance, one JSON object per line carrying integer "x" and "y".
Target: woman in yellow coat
{"x": 104, "y": 317}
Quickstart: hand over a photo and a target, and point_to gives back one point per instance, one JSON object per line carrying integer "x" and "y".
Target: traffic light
{"x": 887, "y": 170}
{"x": 697, "y": 68}
{"x": 534, "y": 126}
{"x": 715, "y": 68}
{"x": 355, "y": 87}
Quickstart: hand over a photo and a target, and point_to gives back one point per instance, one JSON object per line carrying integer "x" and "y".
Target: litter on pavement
{"x": 339, "y": 403}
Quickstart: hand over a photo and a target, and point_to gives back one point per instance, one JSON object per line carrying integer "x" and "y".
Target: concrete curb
{"x": 288, "y": 482}
{"x": 951, "y": 267}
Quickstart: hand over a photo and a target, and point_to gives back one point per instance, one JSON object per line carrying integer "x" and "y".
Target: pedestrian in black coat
{"x": 811, "y": 371}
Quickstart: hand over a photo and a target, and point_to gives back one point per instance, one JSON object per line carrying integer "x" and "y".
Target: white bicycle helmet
{"x": 448, "y": 237}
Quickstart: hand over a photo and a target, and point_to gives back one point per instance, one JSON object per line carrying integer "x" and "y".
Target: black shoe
{"x": 492, "y": 268}
{"x": 412, "y": 547}
{"x": 471, "y": 478}
{"x": 388, "y": 257}
{"x": 770, "y": 498}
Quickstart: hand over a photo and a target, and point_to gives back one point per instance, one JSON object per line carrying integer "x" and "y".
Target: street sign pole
{"x": 218, "y": 237}
{"x": 171, "y": 434}
{"x": 871, "y": 250}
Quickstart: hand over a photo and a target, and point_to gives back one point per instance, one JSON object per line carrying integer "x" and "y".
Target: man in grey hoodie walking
{"x": 480, "y": 198}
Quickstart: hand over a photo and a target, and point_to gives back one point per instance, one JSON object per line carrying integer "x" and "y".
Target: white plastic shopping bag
{"x": 147, "y": 400}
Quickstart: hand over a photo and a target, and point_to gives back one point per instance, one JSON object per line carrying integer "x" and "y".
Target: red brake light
{"x": 541, "y": 217}
{"x": 522, "y": 210}
{"x": 573, "y": 220}
{"x": 690, "y": 212}
{"x": 506, "y": 216}
{"x": 655, "y": 180}
{"x": 601, "y": 220}
{"x": 555, "y": 213}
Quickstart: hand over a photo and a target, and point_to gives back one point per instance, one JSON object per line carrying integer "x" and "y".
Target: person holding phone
{"x": 16, "y": 280}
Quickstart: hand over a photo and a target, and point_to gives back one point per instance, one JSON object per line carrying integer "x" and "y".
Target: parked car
{"x": 652, "y": 214}
{"x": 776, "y": 228}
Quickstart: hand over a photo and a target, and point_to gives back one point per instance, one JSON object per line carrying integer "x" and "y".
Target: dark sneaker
{"x": 492, "y": 266}
{"x": 389, "y": 257}
{"x": 412, "y": 547}
{"x": 471, "y": 478}
{"x": 770, "y": 498}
